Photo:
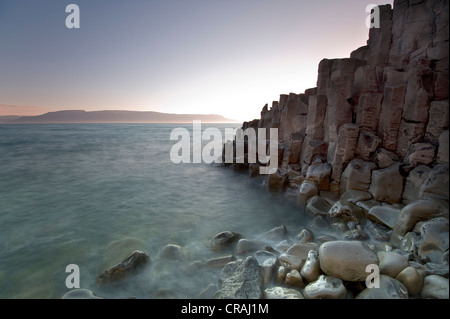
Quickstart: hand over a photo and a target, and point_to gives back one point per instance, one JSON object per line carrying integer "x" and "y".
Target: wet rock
{"x": 345, "y": 212}
{"x": 305, "y": 236}
{"x": 277, "y": 181}
{"x": 208, "y": 292}
{"x": 346, "y": 260}
{"x": 436, "y": 269}
{"x": 325, "y": 287}
{"x": 411, "y": 279}
{"x": 220, "y": 262}
{"x": 391, "y": 263}
{"x": 249, "y": 246}
{"x": 124, "y": 269}
{"x": 422, "y": 209}
{"x": 354, "y": 196}
{"x": 284, "y": 245}
{"x": 241, "y": 279}
{"x": 415, "y": 179}
{"x": 390, "y": 288}
{"x": 280, "y": 274}
{"x": 385, "y": 215}
{"x": 172, "y": 252}
{"x": 434, "y": 239}
{"x": 224, "y": 239}
{"x": 437, "y": 183}
{"x": 357, "y": 176}
{"x": 355, "y": 234}
{"x": 80, "y": 294}
{"x": 296, "y": 255}
{"x": 282, "y": 293}
{"x": 420, "y": 154}
{"x": 307, "y": 190}
{"x": 267, "y": 262}
{"x": 320, "y": 175}
{"x": 410, "y": 242}
{"x": 377, "y": 231}
{"x": 311, "y": 269}
{"x": 366, "y": 205}
{"x": 294, "y": 279}
{"x": 277, "y": 233}
{"x": 387, "y": 184}
{"x": 318, "y": 206}
{"x": 435, "y": 287}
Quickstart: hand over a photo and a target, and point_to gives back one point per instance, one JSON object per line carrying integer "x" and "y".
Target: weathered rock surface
{"x": 317, "y": 206}
{"x": 346, "y": 260}
{"x": 390, "y": 288}
{"x": 391, "y": 263}
{"x": 241, "y": 279}
{"x": 224, "y": 240}
{"x": 411, "y": 278}
{"x": 307, "y": 190}
{"x": 357, "y": 175}
{"x": 295, "y": 256}
{"x": 434, "y": 239}
{"x": 385, "y": 215}
{"x": 220, "y": 262}
{"x": 422, "y": 209}
{"x": 387, "y": 184}
{"x": 311, "y": 269}
{"x": 282, "y": 293}
{"x": 124, "y": 269}
{"x": 325, "y": 287}
{"x": 435, "y": 287}
{"x": 250, "y": 246}
{"x": 267, "y": 261}
{"x": 294, "y": 279}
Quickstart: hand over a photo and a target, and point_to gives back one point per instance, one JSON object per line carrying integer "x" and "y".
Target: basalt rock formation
{"x": 374, "y": 132}
{"x": 376, "y": 118}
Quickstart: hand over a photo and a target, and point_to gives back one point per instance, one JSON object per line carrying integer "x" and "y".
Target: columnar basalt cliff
{"x": 377, "y": 118}
{"x": 371, "y": 141}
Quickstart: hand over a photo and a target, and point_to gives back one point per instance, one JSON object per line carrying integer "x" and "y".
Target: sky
{"x": 227, "y": 57}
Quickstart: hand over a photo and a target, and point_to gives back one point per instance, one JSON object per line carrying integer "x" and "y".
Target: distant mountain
{"x": 7, "y": 118}
{"x": 77, "y": 116}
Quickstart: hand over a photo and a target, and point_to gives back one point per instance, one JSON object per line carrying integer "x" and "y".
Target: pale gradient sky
{"x": 227, "y": 57}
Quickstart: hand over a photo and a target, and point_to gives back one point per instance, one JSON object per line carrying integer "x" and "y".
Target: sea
{"x": 90, "y": 194}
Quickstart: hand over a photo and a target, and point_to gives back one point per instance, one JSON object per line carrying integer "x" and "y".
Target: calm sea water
{"x": 89, "y": 194}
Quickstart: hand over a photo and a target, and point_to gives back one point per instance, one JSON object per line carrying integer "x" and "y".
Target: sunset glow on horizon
{"x": 186, "y": 57}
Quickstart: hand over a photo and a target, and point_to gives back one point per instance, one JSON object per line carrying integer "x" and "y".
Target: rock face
{"x": 241, "y": 279}
{"x": 124, "y": 269}
{"x": 383, "y": 108}
{"x": 346, "y": 260}
{"x": 374, "y": 133}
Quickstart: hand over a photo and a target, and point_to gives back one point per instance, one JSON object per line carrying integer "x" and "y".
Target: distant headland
{"x": 80, "y": 116}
